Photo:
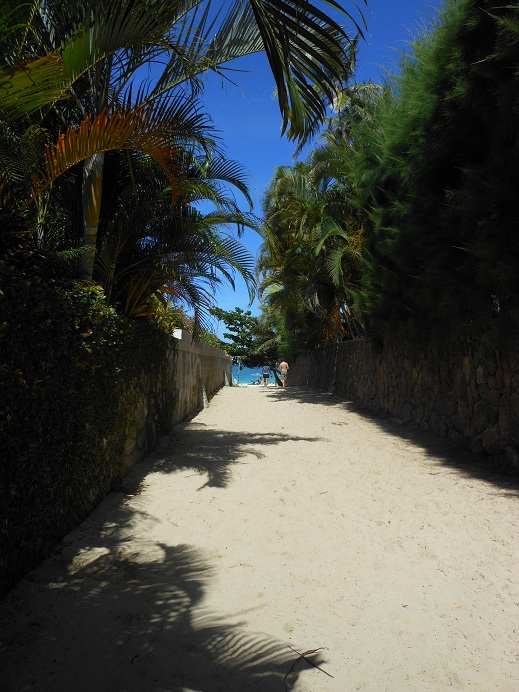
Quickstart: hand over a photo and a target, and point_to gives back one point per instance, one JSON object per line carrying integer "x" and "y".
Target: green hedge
{"x": 71, "y": 370}
{"x": 437, "y": 176}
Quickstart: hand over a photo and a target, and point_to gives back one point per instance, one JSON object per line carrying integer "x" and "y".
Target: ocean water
{"x": 248, "y": 375}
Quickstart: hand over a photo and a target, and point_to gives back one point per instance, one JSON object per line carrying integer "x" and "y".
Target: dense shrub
{"x": 70, "y": 372}
{"x": 437, "y": 177}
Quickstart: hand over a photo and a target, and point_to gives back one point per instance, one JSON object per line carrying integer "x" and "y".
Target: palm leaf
{"x": 334, "y": 264}
{"x": 116, "y": 25}
{"x": 106, "y": 29}
{"x": 329, "y": 228}
{"x": 148, "y": 129}
{"x": 208, "y": 180}
{"x": 300, "y": 39}
{"x": 306, "y": 50}
{"x": 26, "y": 87}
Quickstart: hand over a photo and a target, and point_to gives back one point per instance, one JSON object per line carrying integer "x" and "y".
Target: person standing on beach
{"x": 283, "y": 366}
{"x": 266, "y": 375}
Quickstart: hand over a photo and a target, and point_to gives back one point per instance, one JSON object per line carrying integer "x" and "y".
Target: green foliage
{"x": 311, "y": 251}
{"x": 436, "y": 178}
{"x": 249, "y": 337}
{"x": 241, "y": 325}
{"x": 151, "y": 251}
{"x": 168, "y": 317}
{"x": 78, "y": 124}
{"x": 70, "y": 374}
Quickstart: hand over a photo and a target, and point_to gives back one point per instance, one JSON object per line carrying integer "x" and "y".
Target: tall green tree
{"x": 311, "y": 259}
{"x": 311, "y": 251}
{"x": 249, "y": 338}
{"x": 435, "y": 177}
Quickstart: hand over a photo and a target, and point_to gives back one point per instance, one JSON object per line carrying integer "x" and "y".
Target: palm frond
{"x": 307, "y": 53}
{"x": 30, "y": 85}
{"x": 148, "y": 129}
{"x": 328, "y": 229}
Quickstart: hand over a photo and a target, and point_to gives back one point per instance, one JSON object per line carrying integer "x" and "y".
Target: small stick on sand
{"x": 304, "y": 655}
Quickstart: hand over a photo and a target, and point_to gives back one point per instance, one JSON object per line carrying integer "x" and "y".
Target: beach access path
{"x": 275, "y": 532}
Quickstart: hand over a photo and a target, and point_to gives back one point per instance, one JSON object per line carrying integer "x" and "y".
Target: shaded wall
{"x": 195, "y": 372}
{"x": 38, "y": 508}
{"x": 462, "y": 390}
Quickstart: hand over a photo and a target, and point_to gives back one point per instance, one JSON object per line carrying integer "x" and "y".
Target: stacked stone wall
{"x": 46, "y": 506}
{"x": 464, "y": 389}
{"x": 195, "y": 372}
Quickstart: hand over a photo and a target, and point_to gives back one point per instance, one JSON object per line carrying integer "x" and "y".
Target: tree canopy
{"x": 405, "y": 211}
{"x": 93, "y": 88}
{"x": 249, "y": 338}
{"x": 435, "y": 180}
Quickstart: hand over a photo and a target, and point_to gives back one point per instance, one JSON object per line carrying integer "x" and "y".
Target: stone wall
{"x": 463, "y": 389}
{"x": 40, "y": 513}
{"x": 195, "y": 373}
{"x": 200, "y": 371}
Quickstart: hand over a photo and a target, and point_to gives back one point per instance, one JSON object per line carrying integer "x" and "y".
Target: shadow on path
{"x": 128, "y": 625}
{"x": 118, "y": 616}
{"x": 114, "y": 611}
{"x": 443, "y": 451}
{"x": 211, "y": 451}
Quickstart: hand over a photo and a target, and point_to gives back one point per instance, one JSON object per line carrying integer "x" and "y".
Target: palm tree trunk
{"x": 92, "y": 193}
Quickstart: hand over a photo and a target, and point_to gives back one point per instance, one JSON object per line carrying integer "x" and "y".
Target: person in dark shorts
{"x": 266, "y": 374}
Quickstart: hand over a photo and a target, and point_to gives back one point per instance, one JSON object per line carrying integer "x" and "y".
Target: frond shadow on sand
{"x": 211, "y": 451}
{"x": 110, "y": 614}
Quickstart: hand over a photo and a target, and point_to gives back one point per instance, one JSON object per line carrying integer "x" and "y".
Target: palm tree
{"x": 150, "y": 249}
{"x": 293, "y": 278}
{"x": 310, "y": 255}
{"x": 95, "y": 53}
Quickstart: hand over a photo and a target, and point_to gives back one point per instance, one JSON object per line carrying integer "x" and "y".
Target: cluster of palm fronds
{"x": 310, "y": 262}
{"x": 106, "y": 150}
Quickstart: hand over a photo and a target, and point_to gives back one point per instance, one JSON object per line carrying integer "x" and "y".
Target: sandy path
{"x": 275, "y": 520}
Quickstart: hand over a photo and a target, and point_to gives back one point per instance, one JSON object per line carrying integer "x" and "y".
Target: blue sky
{"x": 248, "y": 117}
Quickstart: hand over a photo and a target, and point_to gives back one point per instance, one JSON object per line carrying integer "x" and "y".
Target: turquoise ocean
{"x": 248, "y": 375}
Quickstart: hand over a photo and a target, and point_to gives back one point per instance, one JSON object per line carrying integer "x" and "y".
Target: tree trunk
{"x": 92, "y": 192}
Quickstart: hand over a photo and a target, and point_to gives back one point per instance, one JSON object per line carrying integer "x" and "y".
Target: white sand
{"x": 280, "y": 520}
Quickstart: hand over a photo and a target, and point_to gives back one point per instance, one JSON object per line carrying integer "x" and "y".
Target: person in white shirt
{"x": 283, "y": 366}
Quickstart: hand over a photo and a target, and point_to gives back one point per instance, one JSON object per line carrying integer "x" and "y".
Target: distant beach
{"x": 248, "y": 375}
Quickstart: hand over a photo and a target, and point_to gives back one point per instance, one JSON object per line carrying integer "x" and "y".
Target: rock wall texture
{"x": 195, "y": 372}
{"x": 150, "y": 406}
{"x": 463, "y": 390}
